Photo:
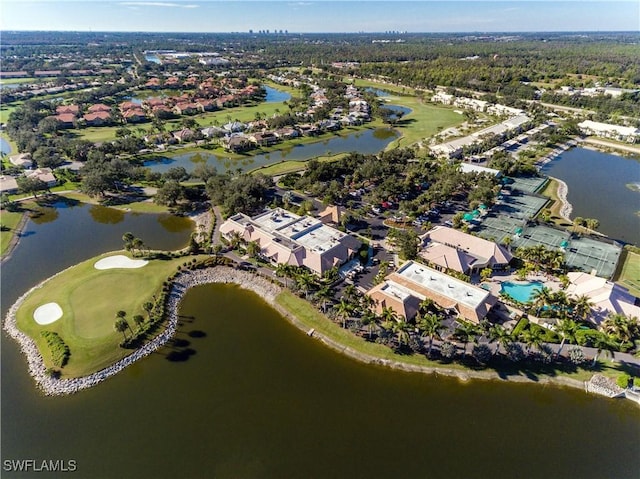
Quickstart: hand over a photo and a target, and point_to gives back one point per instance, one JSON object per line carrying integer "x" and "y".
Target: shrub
{"x": 623, "y": 380}
{"x": 515, "y": 352}
{"x": 481, "y": 353}
{"x": 576, "y": 356}
{"x": 520, "y": 327}
{"x": 636, "y": 382}
{"x": 59, "y": 350}
{"x": 448, "y": 350}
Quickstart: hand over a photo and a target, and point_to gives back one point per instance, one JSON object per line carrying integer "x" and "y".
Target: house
{"x": 162, "y": 111}
{"x": 98, "y": 118}
{"x": 99, "y": 107}
{"x": 234, "y": 126}
{"x": 607, "y": 130}
{"x": 134, "y": 115}
{"x": 287, "y": 238}
{"x": 66, "y": 120}
{"x": 45, "y": 175}
{"x": 213, "y": 132}
{"x": 183, "y": 135}
{"x": 23, "y": 160}
{"x": 68, "y": 109}
{"x": 607, "y": 297}
{"x": 451, "y": 249}
{"x": 8, "y": 184}
{"x": 287, "y": 133}
{"x": 405, "y": 289}
{"x": 186, "y": 108}
{"x": 172, "y": 82}
{"x": 153, "y": 84}
{"x": 207, "y": 105}
{"x": 266, "y": 138}
{"x": 236, "y": 143}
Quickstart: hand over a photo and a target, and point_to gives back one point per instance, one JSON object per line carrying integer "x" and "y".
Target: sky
{"x": 321, "y": 15}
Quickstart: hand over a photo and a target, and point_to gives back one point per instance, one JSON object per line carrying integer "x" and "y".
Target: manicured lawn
{"x": 140, "y": 206}
{"x": 630, "y": 275}
{"x": 313, "y": 319}
{"x": 292, "y": 166}
{"x": 90, "y": 299}
{"x": 424, "y": 121}
{"x": 551, "y": 192}
{"x": 9, "y": 220}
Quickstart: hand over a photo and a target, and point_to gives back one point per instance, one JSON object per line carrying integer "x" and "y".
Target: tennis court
{"x": 520, "y": 206}
{"x": 587, "y": 254}
{"x": 529, "y": 184}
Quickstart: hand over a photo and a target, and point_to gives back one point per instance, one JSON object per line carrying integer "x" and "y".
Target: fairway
{"x": 90, "y": 299}
{"x": 630, "y": 275}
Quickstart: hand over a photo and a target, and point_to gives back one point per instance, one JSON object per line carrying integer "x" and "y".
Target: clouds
{"x": 159, "y": 4}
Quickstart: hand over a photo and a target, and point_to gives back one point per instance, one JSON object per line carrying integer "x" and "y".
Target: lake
{"x": 5, "y": 147}
{"x": 368, "y": 141}
{"x": 275, "y": 96}
{"x": 602, "y": 186}
{"x": 255, "y": 397}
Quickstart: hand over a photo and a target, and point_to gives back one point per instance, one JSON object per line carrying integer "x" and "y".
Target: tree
{"x": 448, "y": 350}
{"x": 485, "y": 274}
{"x": 121, "y": 325}
{"x": 253, "y": 249}
{"x": 567, "y": 328}
{"x": 532, "y": 337}
{"x": 128, "y": 241}
{"x": 343, "y": 311}
{"x": 324, "y": 294}
{"x": 582, "y": 307}
{"x": 592, "y": 223}
{"x": 138, "y": 319}
{"x": 430, "y": 326}
{"x": 31, "y": 185}
{"x": 148, "y": 307}
{"x": 481, "y": 353}
{"x": 466, "y": 332}
{"x": 603, "y": 342}
{"x": 169, "y": 193}
{"x": 498, "y": 333}
{"x": 401, "y": 330}
{"x": 369, "y": 319}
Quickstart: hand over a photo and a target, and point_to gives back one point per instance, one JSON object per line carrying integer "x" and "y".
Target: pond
{"x": 152, "y": 58}
{"x": 5, "y": 147}
{"x": 275, "y": 96}
{"x": 368, "y": 141}
{"x": 602, "y": 186}
{"x": 242, "y": 393}
{"x": 66, "y": 234}
{"x": 377, "y": 91}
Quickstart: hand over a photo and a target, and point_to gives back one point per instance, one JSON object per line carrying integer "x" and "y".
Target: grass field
{"x": 8, "y": 220}
{"x": 424, "y": 121}
{"x": 90, "y": 299}
{"x": 140, "y": 206}
{"x": 630, "y": 274}
{"x": 551, "y": 192}
{"x": 311, "y": 318}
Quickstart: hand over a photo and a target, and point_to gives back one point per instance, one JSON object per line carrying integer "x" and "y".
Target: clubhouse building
{"x": 405, "y": 289}
{"x": 285, "y": 237}
{"x": 450, "y": 249}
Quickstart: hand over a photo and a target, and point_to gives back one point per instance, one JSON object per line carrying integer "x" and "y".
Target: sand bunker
{"x": 119, "y": 261}
{"x": 47, "y": 313}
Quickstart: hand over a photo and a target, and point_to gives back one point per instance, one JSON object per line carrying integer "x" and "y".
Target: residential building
{"x": 8, "y": 184}
{"x": 607, "y": 130}
{"x": 405, "y": 289}
{"x": 285, "y": 237}
{"x": 23, "y": 160}
{"x": 45, "y": 175}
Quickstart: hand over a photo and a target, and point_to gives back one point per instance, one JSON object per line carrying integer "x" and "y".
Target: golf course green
{"x": 90, "y": 300}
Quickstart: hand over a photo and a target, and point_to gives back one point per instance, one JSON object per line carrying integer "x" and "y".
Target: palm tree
{"x": 138, "y": 319}
{"x": 603, "y": 342}
{"x": 369, "y": 319}
{"x": 401, "y": 330}
{"x": 343, "y": 310}
{"x": 253, "y": 249}
{"x": 388, "y": 314}
{"x": 501, "y": 335}
{"x": 621, "y": 327}
{"x": 532, "y": 337}
{"x": 324, "y": 294}
{"x": 540, "y": 298}
{"x": 567, "y": 329}
{"x": 121, "y": 325}
{"x": 305, "y": 282}
{"x": 283, "y": 270}
{"x": 148, "y": 307}
{"x": 430, "y": 325}
{"x": 582, "y": 307}
{"x": 467, "y": 332}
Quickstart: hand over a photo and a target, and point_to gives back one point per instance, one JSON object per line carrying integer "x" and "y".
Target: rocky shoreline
{"x": 268, "y": 291}
{"x": 566, "y": 208}
{"x": 183, "y": 282}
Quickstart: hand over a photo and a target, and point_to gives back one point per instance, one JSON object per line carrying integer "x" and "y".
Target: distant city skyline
{"x": 321, "y": 16}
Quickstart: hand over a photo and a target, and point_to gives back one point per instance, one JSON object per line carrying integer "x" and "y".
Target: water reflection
{"x": 42, "y": 215}
{"x": 174, "y": 224}
{"x": 107, "y": 216}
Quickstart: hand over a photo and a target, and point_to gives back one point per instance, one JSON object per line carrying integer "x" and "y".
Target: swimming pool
{"x": 521, "y": 292}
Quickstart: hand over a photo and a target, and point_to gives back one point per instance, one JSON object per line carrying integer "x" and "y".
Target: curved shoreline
{"x": 562, "y": 191}
{"x": 262, "y": 287}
